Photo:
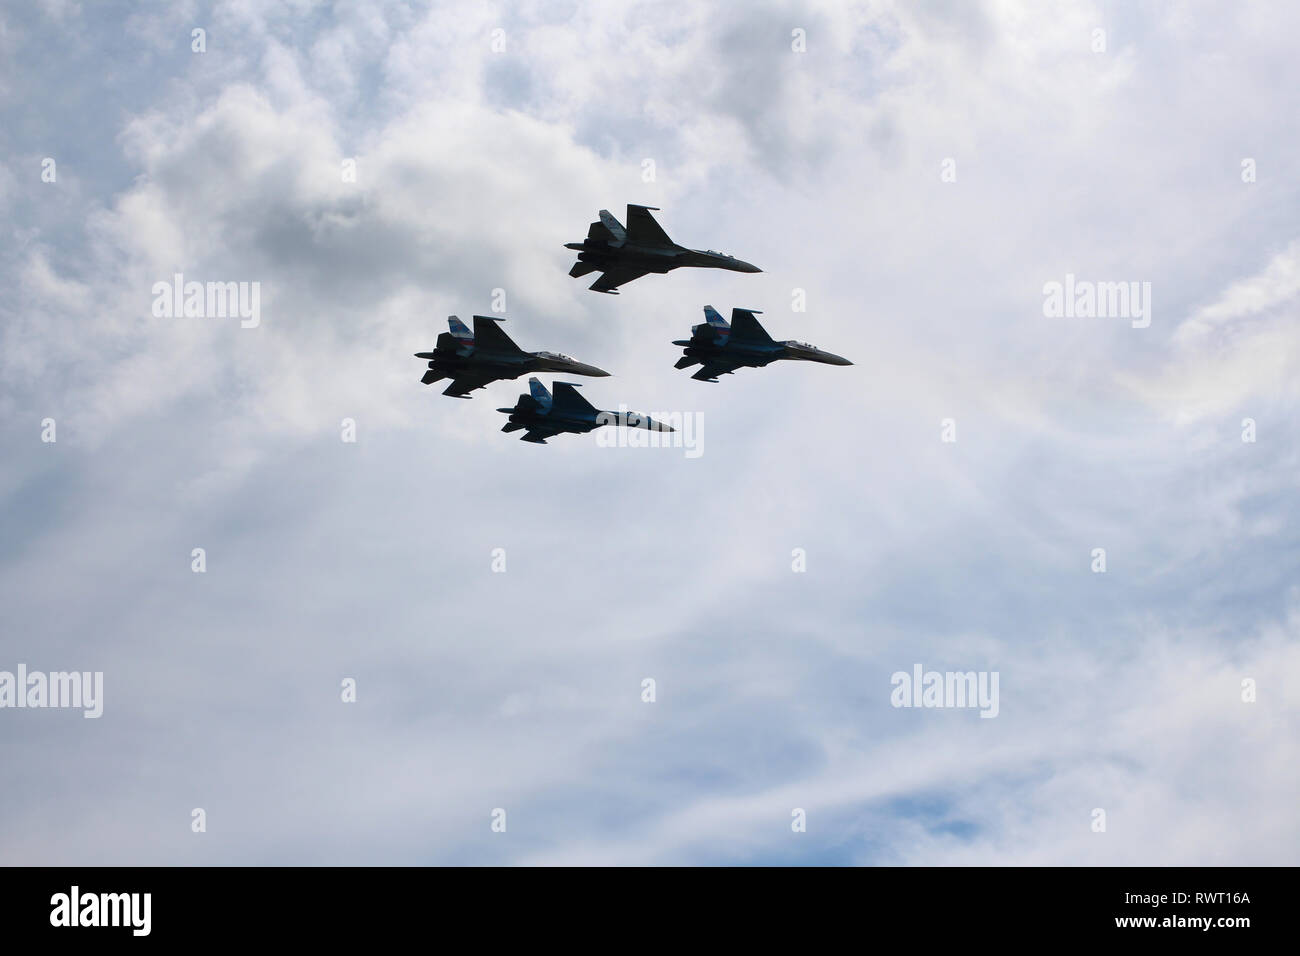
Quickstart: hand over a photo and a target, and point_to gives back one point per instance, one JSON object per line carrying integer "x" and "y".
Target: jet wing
{"x": 642, "y": 228}
{"x": 612, "y": 278}
{"x": 489, "y": 335}
{"x": 538, "y": 434}
{"x": 466, "y": 383}
{"x": 715, "y": 367}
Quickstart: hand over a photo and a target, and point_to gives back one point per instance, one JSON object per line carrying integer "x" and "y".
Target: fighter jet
{"x": 473, "y": 359}
{"x": 545, "y": 417}
{"x": 622, "y": 255}
{"x": 721, "y": 348}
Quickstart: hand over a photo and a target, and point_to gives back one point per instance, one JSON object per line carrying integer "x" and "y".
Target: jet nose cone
{"x": 747, "y": 267}
{"x": 580, "y": 368}
{"x": 648, "y": 423}
{"x": 831, "y": 359}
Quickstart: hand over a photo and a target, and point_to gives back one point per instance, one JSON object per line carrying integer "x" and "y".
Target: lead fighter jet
{"x": 473, "y": 359}
{"x": 720, "y": 348}
{"x": 622, "y": 255}
{"x": 545, "y": 417}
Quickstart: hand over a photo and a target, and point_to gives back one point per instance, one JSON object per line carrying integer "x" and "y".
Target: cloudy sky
{"x": 915, "y": 173}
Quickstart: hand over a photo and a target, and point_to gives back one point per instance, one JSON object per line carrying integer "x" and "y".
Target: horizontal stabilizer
{"x": 686, "y": 362}
{"x": 432, "y": 376}
{"x": 581, "y": 269}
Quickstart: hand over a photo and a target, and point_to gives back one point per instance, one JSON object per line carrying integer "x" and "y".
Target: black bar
{"x": 970, "y": 905}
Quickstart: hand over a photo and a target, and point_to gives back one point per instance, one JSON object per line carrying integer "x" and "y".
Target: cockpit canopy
{"x": 557, "y": 355}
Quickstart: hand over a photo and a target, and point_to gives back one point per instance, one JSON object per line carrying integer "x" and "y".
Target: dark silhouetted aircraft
{"x": 721, "y": 348}
{"x": 544, "y": 416}
{"x": 621, "y": 255}
{"x": 473, "y": 359}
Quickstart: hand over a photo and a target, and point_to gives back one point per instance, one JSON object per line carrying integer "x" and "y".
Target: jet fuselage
{"x": 504, "y": 364}
{"x": 603, "y": 256}
{"x": 759, "y": 354}
{"x": 545, "y": 415}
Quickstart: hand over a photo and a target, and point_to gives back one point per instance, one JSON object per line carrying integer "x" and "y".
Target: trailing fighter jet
{"x": 473, "y": 359}
{"x": 545, "y": 417}
{"x": 721, "y": 348}
{"x": 622, "y": 255}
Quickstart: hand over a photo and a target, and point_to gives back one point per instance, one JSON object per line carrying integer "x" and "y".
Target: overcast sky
{"x": 915, "y": 173}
